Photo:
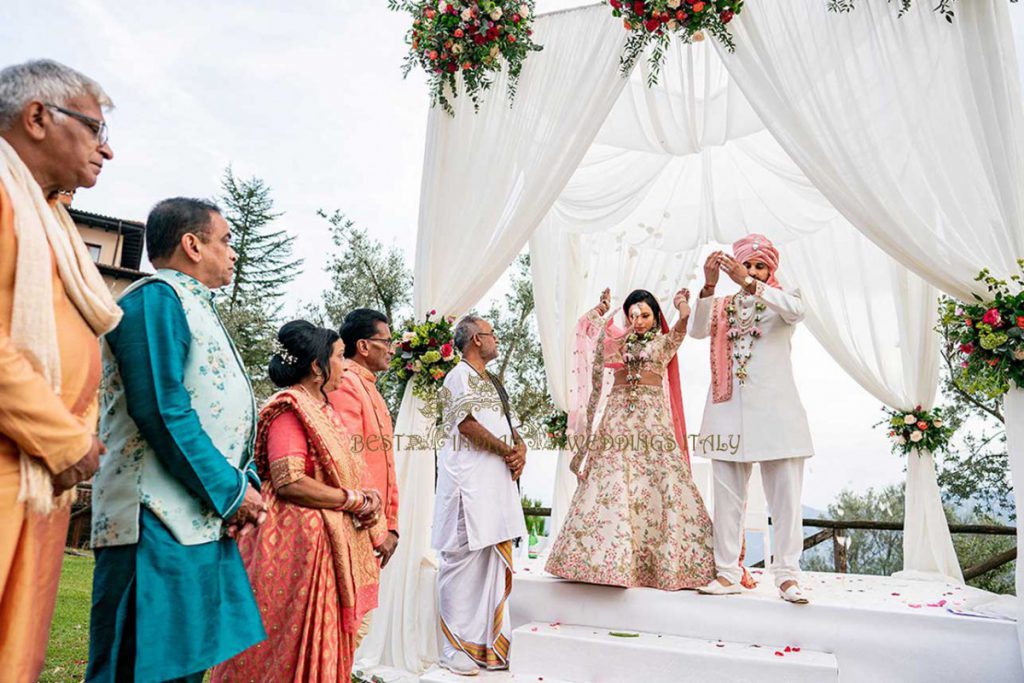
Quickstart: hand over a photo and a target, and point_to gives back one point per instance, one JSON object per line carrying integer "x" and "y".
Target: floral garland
{"x": 426, "y": 353}
{"x": 467, "y": 37}
{"x": 739, "y": 329}
{"x": 944, "y": 7}
{"x": 990, "y": 334}
{"x": 921, "y": 429}
{"x": 653, "y": 22}
{"x": 634, "y": 355}
{"x": 557, "y": 426}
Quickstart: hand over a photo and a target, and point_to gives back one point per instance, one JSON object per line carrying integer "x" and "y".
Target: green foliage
{"x": 927, "y": 430}
{"x": 557, "y": 426}
{"x": 248, "y": 306}
{"x": 520, "y": 365}
{"x": 534, "y": 523}
{"x": 426, "y": 353}
{"x": 881, "y": 552}
{"x": 943, "y": 7}
{"x": 364, "y": 274}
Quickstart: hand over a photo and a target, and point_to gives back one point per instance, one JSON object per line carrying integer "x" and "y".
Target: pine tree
{"x": 264, "y": 267}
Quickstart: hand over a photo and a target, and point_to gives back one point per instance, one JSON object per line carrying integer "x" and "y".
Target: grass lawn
{"x": 69, "y": 635}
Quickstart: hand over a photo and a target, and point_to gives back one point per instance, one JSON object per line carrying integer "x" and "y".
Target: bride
{"x": 636, "y": 518}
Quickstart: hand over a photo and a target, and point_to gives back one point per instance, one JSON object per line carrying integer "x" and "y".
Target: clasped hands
{"x": 250, "y": 514}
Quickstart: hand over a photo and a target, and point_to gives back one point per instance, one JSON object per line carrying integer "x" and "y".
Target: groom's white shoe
{"x": 716, "y": 587}
{"x": 793, "y": 595}
{"x": 459, "y": 663}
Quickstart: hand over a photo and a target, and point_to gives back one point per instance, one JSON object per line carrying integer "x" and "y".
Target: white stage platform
{"x": 876, "y": 628}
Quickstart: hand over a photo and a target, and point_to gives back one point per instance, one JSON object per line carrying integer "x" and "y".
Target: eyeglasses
{"x": 390, "y": 342}
{"x": 487, "y": 334}
{"x": 98, "y": 128}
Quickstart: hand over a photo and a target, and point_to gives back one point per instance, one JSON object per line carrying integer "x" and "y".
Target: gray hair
{"x": 43, "y": 80}
{"x": 465, "y": 329}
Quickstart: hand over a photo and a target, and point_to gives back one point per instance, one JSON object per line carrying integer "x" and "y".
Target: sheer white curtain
{"x": 911, "y": 127}
{"x": 488, "y": 180}
{"x": 877, "y": 319}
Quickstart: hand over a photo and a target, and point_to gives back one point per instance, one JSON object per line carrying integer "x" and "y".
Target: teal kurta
{"x": 162, "y": 610}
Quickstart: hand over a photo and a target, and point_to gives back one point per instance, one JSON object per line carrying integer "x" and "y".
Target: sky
{"x": 309, "y": 96}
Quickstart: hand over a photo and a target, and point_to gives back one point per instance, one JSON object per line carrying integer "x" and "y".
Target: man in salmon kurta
{"x": 364, "y": 412}
{"x": 365, "y": 415}
{"x": 53, "y": 306}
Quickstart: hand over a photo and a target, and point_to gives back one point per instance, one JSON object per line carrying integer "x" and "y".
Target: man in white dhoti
{"x": 477, "y": 512}
{"x": 753, "y": 397}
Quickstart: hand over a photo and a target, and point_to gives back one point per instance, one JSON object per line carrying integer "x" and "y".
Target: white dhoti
{"x": 783, "y": 482}
{"x": 473, "y": 588}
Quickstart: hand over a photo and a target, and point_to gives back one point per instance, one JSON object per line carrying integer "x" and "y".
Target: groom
{"x": 753, "y": 395}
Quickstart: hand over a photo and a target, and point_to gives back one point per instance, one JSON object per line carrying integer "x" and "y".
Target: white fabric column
{"x": 1013, "y": 411}
{"x": 877, "y": 320}
{"x": 489, "y": 177}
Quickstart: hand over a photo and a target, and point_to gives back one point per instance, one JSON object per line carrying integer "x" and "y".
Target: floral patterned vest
{"x": 131, "y": 474}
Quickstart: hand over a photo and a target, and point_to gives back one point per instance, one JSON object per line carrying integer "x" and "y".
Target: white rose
{"x": 674, "y": 4}
{"x": 496, "y": 13}
{"x": 457, "y": 48}
{"x": 937, "y": 423}
{"x": 909, "y": 419}
{"x": 901, "y": 439}
{"x": 916, "y": 436}
{"x": 1018, "y": 354}
{"x": 494, "y": 50}
{"x": 408, "y": 336}
{"x": 673, "y": 25}
{"x": 467, "y": 14}
{"x": 524, "y": 11}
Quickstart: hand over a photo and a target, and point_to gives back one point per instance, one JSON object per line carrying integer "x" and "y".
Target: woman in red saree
{"x": 311, "y": 563}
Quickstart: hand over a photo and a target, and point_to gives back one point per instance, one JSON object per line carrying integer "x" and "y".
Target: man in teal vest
{"x": 170, "y": 594}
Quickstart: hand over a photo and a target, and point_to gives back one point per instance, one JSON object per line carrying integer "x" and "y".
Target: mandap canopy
{"x": 883, "y": 154}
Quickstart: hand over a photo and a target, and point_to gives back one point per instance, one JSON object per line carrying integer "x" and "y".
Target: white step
{"x": 439, "y": 675}
{"x": 583, "y": 653}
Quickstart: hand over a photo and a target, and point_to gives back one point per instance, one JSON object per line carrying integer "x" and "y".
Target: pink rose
{"x": 993, "y": 318}
{"x": 967, "y": 348}
{"x": 447, "y": 350}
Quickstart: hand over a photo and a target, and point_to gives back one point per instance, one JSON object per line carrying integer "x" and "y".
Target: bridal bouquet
{"x": 467, "y": 39}
{"x": 923, "y": 429}
{"x": 990, "y": 334}
{"x": 652, "y": 22}
{"x": 425, "y": 354}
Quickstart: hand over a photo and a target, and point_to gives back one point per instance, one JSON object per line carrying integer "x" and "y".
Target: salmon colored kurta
{"x": 57, "y": 429}
{"x": 365, "y": 416}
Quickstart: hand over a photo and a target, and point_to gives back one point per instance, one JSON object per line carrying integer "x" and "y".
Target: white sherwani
{"x": 477, "y": 513}
{"x": 765, "y": 413}
{"x": 767, "y": 424}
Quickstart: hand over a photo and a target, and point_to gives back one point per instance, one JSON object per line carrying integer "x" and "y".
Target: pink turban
{"x": 756, "y": 247}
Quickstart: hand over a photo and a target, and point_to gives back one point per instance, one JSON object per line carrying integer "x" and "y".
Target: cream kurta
{"x": 764, "y": 415}
{"x": 477, "y": 480}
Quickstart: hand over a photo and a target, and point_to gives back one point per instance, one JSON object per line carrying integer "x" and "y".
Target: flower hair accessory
{"x": 283, "y": 353}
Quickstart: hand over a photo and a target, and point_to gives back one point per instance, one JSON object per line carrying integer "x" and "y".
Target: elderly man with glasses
{"x": 477, "y": 512}
{"x": 53, "y": 307}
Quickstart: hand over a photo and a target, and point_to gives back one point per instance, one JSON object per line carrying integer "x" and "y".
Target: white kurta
{"x": 471, "y": 479}
{"x": 764, "y": 419}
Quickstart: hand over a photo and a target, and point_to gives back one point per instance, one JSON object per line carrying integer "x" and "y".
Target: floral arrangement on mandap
{"x": 556, "y": 427}
{"x": 467, "y": 39}
{"x": 653, "y": 22}
{"x": 922, "y": 429}
{"x": 425, "y": 354}
{"x": 990, "y": 334}
{"x": 943, "y": 7}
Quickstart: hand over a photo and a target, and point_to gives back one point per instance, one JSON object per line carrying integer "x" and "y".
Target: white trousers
{"x": 783, "y": 483}
{"x": 473, "y": 588}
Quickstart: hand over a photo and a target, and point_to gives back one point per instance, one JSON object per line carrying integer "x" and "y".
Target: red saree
{"x": 313, "y": 573}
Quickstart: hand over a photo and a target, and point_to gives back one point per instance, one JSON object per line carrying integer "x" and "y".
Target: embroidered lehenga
{"x": 636, "y": 518}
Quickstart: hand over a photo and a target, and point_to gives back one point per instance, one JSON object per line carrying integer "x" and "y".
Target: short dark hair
{"x": 303, "y": 343}
{"x": 171, "y": 219}
{"x": 360, "y": 324}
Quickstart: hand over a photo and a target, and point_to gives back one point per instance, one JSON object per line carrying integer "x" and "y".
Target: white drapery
{"x": 858, "y": 108}
{"x": 488, "y": 180}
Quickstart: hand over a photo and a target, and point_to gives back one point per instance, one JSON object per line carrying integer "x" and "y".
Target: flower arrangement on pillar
{"x": 943, "y": 7}
{"x": 917, "y": 428}
{"x": 990, "y": 334}
{"x": 426, "y": 352}
{"x": 556, "y": 426}
{"x": 467, "y": 39}
{"x": 654, "y": 22}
